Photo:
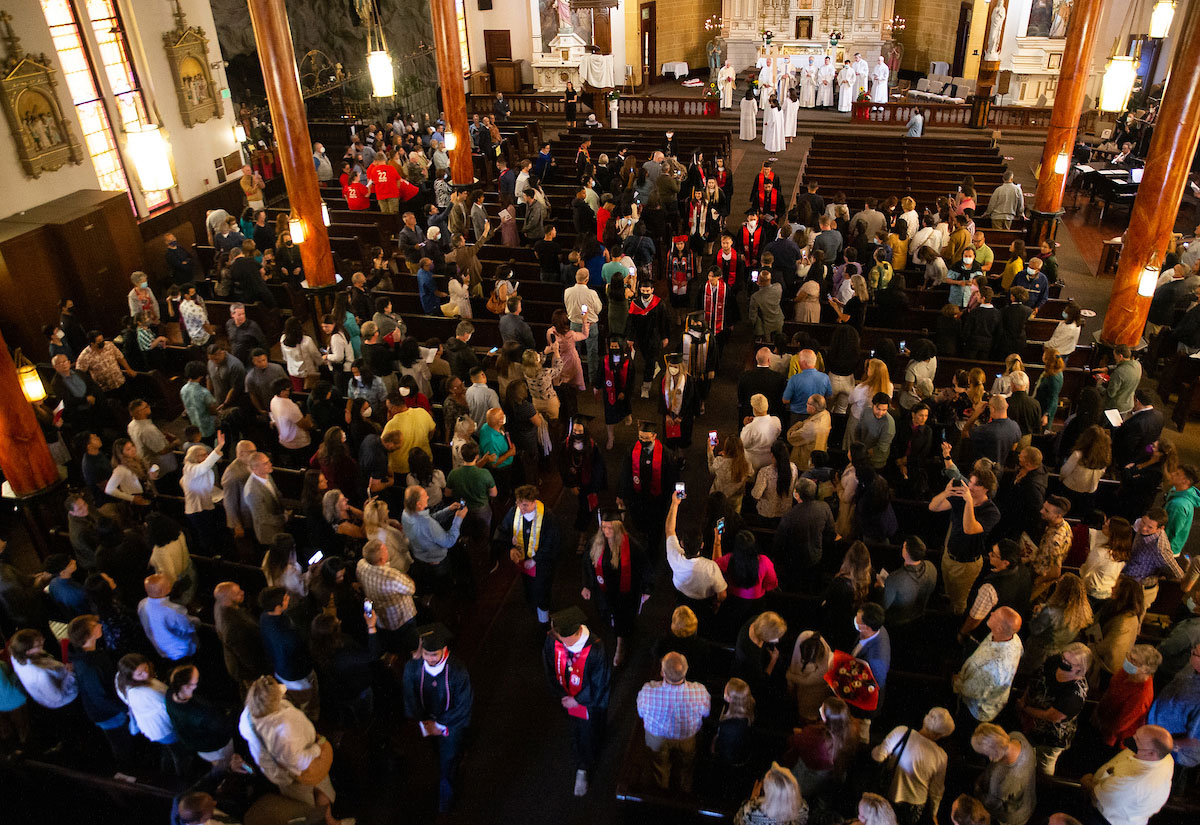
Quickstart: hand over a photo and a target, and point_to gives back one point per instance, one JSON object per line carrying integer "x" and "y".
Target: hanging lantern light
{"x": 239, "y": 133}
{"x": 1119, "y": 77}
{"x": 147, "y": 149}
{"x": 27, "y": 375}
{"x": 1149, "y": 280}
{"x": 1161, "y": 17}
{"x": 383, "y": 79}
{"x": 1062, "y": 162}
{"x": 324, "y": 213}
{"x": 451, "y": 141}
{"x": 296, "y": 228}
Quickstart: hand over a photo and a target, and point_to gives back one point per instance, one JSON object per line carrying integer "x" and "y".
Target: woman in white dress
{"x": 826, "y": 79}
{"x": 791, "y": 109}
{"x": 749, "y": 129}
{"x": 845, "y": 81}
{"x": 773, "y": 127}
{"x": 879, "y": 81}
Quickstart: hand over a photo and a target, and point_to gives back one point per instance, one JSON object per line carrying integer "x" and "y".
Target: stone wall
{"x": 928, "y": 32}
{"x": 681, "y": 34}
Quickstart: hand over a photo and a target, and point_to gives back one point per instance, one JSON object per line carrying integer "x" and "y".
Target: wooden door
{"x": 602, "y": 30}
{"x": 960, "y": 41}
{"x": 497, "y": 45}
{"x": 648, "y": 48}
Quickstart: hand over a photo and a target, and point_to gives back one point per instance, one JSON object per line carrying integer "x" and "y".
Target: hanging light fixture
{"x": 1161, "y": 17}
{"x": 451, "y": 141}
{"x": 296, "y": 228}
{"x": 1149, "y": 280}
{"x": 379, "y": 61}
{"x": 1119, "y": 77}
{"x": 147, "y": 149}
{"x": 27, "y": 375}
{"x": 1062, "y": 162}
{"x": 239, "y": 133}
{"x": 324, "y": 213}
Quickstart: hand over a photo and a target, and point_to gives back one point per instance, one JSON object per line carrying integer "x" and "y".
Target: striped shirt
{"x": 673, "y": 711}
{"x": 390, "y": 591}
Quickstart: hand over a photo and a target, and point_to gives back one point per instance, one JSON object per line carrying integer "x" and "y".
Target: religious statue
{"x": 563, "y": 8}
{"x": 1062, "y": 15}
{"x": 713, "y": 50}
{"x": 991, "y": 50}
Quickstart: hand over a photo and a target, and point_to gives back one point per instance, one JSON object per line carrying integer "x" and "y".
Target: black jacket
{"x": 764, "y": 381}
{"x": 979, "y": 328}
{"x": 461, "y": 357}
{"x": 1010, "y": 336}
{"x": 1129, "y": 441}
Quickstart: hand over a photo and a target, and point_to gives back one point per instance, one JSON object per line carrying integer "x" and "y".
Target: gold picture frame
{"x": 35, "y": 116}
{"x": 187, "y": 55}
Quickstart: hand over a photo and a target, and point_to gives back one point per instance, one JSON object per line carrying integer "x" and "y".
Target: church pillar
{"x": 24, "y": 457}
{"x": 288, "y": 115}
{"x": 1064, "y": 119}
{"x": 989, "y": 61}
{"x": 1157, "y": 204}
{"x": 450, "y": 78}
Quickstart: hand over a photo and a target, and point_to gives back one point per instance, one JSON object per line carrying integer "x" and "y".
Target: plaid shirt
{"x": 390, "y": 591}
{"x": 1151, "y": 557}
{"x": 103, "y": 366}
{"x": 673, "y": 711}
{"x": 1051, "y": 551}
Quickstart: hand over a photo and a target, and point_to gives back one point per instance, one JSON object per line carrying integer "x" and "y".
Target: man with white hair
{"x": 808, "y": 381}
{"x": 762, "y": 380}
{"x": 1008, "y": 785}
{"x": 920, "y": 775}
{"x": 1022, "y": 408}
{"x": 673, "y": 711}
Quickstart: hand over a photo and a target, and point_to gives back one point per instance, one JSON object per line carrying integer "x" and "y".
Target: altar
{"x": 564, "y": 50}
{"x": 837, "y": 28}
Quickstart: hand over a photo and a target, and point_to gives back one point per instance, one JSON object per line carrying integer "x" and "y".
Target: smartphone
{"x": 998, "y": 375}
{"x": 712, "y": 437}
{"x": 368, "y": 608}
{"x": 872, "y": 353}
{"x": 633, "y": 270}
{"x": 958, "y": 482}
{"x": 721, "y": 525}
{"x": 902, "y": 346}
{"x": 315, "y": 557}
{"x": 493, "y": 350}
{"x": 754, "y": 276}
{"x": 679, "y": 489}
{"x": 462, "y": 502}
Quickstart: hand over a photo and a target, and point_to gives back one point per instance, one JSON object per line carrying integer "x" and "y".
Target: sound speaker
{"x": 485, "y": 5}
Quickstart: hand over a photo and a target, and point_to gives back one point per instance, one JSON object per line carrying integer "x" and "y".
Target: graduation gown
{"x": 614, "y": 380}
{"x": 586, "y": 470}
{"x": 445, "y": 698}
{"x": 808, "y": 85}
{"x": 826, "y": 85}
{"x": 689, "y": 406}
{"x": 549, "y": 542}
{"x": 619, "y": 596}
{"x": 846, "y": 89}
{"x": 749, "y": 125}
{"x": 648, "y": 508}
{"x": 647, "y": 327}
{"x": 590, "y": 688}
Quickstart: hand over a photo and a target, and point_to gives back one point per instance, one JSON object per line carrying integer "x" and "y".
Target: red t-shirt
{"x": 345, "y": 179}
{"x": 407, "y": 190}
{"x": 357, "y": 196}
{"x": 601, "y": 222}
{"x": 385, "y": 178}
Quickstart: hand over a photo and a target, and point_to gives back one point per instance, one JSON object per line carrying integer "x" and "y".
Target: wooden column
{"x": 24, "y": 457}
{"x": 290, "y": 119}
{"x": 450, "y": 78}
{"x": 1157, "y": 204}
{"x": 1064, "y": 120}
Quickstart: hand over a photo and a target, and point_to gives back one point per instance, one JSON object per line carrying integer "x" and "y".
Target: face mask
{"x": 751, "y": 225}
{"x": 1190, "y": 603}
{"x": 289, "y": 243}
{"x": 366, "y": 410}
{"x": 646, "y": 297}
{"x": 529, "y": 516}
{"x": 1029, "y": 269}
{"x": 1130, "y": 667}
{"x": 968, "y": 261}
{"x": 673, "y": 370}
{"x": 857, "y": 627}
{"x": 1130, "y": 743}
{"x": 1064, "y": 316}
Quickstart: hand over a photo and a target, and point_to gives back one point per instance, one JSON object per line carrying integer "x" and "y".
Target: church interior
{"x": 288, "y": 538}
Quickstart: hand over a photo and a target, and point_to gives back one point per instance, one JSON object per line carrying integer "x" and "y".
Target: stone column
{"x": 450, "y": 78}
{"x": 1064, "y": 120}
{"x": 288, "y": 115}
{"x": 1157, "y": 204}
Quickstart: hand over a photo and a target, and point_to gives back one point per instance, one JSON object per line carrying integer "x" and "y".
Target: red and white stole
{"x": 655, "y": 468}
{"x": 568, "y": 670}
{"x": 626, "y": 568}
{"x": 714, "y": 306}
{"x": 610, "y": 387}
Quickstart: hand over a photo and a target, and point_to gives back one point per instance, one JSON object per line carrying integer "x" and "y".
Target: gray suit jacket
{"x": 535, "y": 221}
{"x": 265, "y": 509}
{"x": 233, "y": 482}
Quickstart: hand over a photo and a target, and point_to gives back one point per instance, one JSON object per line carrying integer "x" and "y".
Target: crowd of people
{"x": 377, "y": 481}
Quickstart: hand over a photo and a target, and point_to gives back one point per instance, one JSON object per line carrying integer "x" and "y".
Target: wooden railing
{"x": 668, "y": 107}
{"x": 939, "y": 115}
{"x": 658, "y": 108}
{"x": 536, "y": 105}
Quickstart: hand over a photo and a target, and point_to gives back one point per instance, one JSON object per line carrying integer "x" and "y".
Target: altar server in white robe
{"x": 846, "y": 80}
{"x": 725, "y": 83}
{"x": 826, "y": 84}
{"x": 880, "y": 75}
{"x": 808, "y": 84}
{"x": 791, "y": 108}
{"x": 749, "y": 116}
{"x": 861, "y": 72}
{"x": 773, "y": 127}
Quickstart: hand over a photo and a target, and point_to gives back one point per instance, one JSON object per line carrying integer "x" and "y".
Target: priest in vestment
{"x": 826, "y": 83}
{"x": 846, "y": 80}
{"x": 861, "y": 72}
{"x": 725, "y": 84}
{"x": 808, "y": 84}
{"x": 766, "y": 85}
{"x": 785, "y": 79}
{"x": 749, "y": 127}
{"x": 880, "y": 75}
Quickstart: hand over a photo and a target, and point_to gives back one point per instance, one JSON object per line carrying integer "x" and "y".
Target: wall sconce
{"x": 31, "y": 382}
{"x": 1062, "y": 162}
{"x": 1161, "y": 17}
{"x": 1149, "y": 280}
{"x": 239, "y": 133}
{"x": 147, "y": 149}
{"x": 451, "y": 141}
{"x": 296, "y": 228}
{"x": 383, "y": 78}
{"x": 324, "y": 213}
{"x": 1119, "y": 77}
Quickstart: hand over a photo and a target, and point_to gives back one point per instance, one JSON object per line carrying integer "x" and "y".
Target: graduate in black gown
{"x": 616, "y": 378}
{"x": 701, "y": 352}
{"x": 678, "y": 404}
{"x": 617, "y": 578}
{"x": 438, "y": 697}
{"x": 647, "y": 327}
{"x": 581, "y": 466}
{"x": 647, "y": 480}
{"x": 529, "y": 534}
{"x": 578, "y": 671}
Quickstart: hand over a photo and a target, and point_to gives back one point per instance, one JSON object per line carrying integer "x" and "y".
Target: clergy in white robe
{"x": 808, "y": 84}
{"x": 749, "y": 117}
{"x": 880, "y": 75}
{"x": 773, "y": 127}
{"x": 791, "y": 109}
{"x": 785, "y": 80}
{"x": 846, "y": 88}
{"x": 725, "y": 83}
{"x": 766, "y": 86}
{"x": 861, "y": 72}
{"x": 826, "y": 83}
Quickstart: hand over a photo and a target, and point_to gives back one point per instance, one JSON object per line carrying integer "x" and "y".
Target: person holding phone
{"x": 583, "y": 308}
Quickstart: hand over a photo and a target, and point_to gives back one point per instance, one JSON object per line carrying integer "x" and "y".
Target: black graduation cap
{"x": 434, "y": 636}
{"x": 567, "y": 622}
{"x": 612, "y": 514}
{"x": 674, "y": 358}
{"x": 647, "y": 426}
{"x": 582, "y": 419}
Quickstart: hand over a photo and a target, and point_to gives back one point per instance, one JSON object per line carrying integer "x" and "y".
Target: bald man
{"x": 167, "y": 624}
{"x": 233, "y": 483}
{"x": 986, "y": 677}
{"x": 241, "y": 640}
{"x": 762, "y": 380}
{"x": 1134, "y": 785}
{"x": 672, "y": 712}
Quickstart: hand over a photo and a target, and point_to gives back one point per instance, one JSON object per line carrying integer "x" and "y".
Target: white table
{"x": 679, "y": 68}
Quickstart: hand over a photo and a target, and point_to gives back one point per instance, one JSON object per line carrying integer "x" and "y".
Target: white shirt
{"x": 697, "y": 578}
{"x": 1064, "y": 339}
{"x": 286, "y": 416}
{"x": 1129, "y": 790}
{"x": 1100, "y": 571}
{"x": 578, "y": 296}
{"x": 47, "y": 681}
{"x": 148, "y": 706}
{"x": 199, "y": 483}
{"x": 921, "y": 771}
{"x": 757, "y": 438}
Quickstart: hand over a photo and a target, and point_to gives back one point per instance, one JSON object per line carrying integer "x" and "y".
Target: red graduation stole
{"x": 568, "y": 669}
{"x": 626, "y": 568}
{"x": 758, "y": 183}
{"x": 583, "y": 151}
{"x": 635, "y": 307}
{"x": 714, "y": 306}
{"x": 610, "y": 387}
{"x": 655, "y": 468}
{"x": 750, "y": 242}
{"x": 728, "y": 268}
{"x": 768, "y": 205}
{"x": 682, "y": 269}
{"x": 722, "y": 176}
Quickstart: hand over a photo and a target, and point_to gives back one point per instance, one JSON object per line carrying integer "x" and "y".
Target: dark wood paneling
{"x": 31, "y": 280}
